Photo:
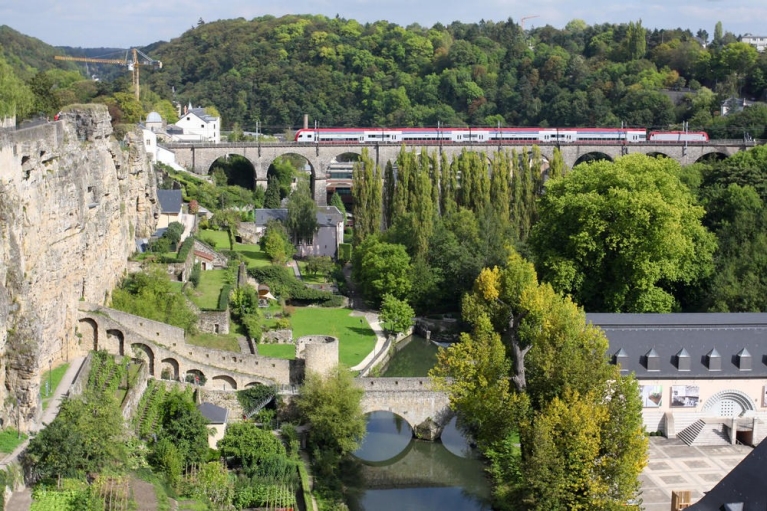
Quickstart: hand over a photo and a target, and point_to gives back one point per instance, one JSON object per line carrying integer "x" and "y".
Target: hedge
{"x": 223, "y": 298}
{"x": 282, "y": 282}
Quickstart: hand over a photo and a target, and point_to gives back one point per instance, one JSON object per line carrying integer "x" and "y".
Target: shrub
{"x": 194, "y": 278}
{"x": 223, "y": 298}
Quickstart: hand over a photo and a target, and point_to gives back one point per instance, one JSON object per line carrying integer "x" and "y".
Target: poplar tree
{"x": 500, "y": 194}
{"x": 272, "y": 195}
{"x": 367, "y": 191}
{"x": 556, "y": 165}
{"x": 448, "y": 187}
{"x": 388, "y": 194}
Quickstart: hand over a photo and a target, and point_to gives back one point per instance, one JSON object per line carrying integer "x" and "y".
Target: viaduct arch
{"x": 199, "y": 157}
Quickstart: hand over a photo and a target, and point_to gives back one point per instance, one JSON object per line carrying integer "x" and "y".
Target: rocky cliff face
{"x": 72, "y": 201}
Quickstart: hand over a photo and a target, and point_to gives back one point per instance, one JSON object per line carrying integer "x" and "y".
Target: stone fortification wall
{"x": 214, "y": 322}
{"x": 73, "y": 201}
{"x": 81, "y": 378}
{"x": 320, "y": 352}
{"x": 163, "y": 343}
{"x": 277, "y": 337}
{"x": 133, "y": 396}
{"x": 394, "y": 384}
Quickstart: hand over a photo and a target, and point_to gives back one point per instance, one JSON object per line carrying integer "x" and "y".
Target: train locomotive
{"x": 495, "y": 136}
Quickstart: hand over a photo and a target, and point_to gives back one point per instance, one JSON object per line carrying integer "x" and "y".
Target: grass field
{"x": 356, "y": 338}
{"x": 285, "y": 351}
{"x": 310, "y": 278}
{"x": 205, "y": 296}
{"x": 47, "y": 390}
{"x": 9, "y": 440}
{"x": 251, "y": 253}
{"x": 227, "y": 342}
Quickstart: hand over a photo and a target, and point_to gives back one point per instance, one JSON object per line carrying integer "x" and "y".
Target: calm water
{"x": 413, "y": 475}
{"x": 415, "y": 359}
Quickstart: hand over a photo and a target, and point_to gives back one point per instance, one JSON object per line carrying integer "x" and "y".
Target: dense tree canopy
{"x": 532, "y": 366}
{"x": 617, "y": 235}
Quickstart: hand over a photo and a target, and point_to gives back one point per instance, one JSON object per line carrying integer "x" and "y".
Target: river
{"x": 402, "y": 473}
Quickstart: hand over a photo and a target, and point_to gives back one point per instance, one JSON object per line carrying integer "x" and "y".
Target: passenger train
{"x": 495, "y": 135}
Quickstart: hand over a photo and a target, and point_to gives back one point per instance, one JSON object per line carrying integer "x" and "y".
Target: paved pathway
{"x": 372, "y": 319}
{"x": 674, "y": 466}
{"x": 21, "y": 500}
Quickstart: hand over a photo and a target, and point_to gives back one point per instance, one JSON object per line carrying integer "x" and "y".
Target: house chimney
{"x": 306, "y": 121}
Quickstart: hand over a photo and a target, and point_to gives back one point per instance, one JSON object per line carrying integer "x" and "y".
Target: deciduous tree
{"x": 616, "y": 235}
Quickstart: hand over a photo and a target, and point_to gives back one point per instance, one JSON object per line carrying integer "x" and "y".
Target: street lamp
{"x": 18, "y": 418}
{"x": 50, "y": 376}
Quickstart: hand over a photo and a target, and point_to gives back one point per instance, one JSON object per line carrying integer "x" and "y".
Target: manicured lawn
{"x": 227, "y": 342}
{"x": 205, "y": 296}
{"x": 47, "y": 390}
{"x": 356, "y": 338}
{"x": 310, "y": 278}
{"x": 9, "y": 440}
{"x": 285, "y": 351}
{"x": 251, "y": 253}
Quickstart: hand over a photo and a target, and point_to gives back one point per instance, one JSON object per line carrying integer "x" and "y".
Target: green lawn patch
{"x": 220, "y": 238}
{"x": 205, "y": 296}
{"x": 10, "y": 439}
{"x": 310, "y": 278}
{"x": 252, "y": 254}
{"x": 176, "y": 286}
{"x": 356, "y": 338}
{"x": 226, "y": 342}
{"x": 285, "y": 351}
{"x": 54, "y": 377}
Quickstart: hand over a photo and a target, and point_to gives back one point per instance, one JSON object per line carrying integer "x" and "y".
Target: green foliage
{"x": 15, "y": 97}
{"x": 617, "y": 235}
{"x": 276, "y": 244}
{"x": 254, "y": 449}
{"x": 367, "y": 193}
{"x": 250, "y": 397}
{"x": 301, "y": 221}
{"x": 284, "y": 284}
{"x": 10, "y": 438}
{"x": 182, "y": 424}
{"x": 322, "y": 265}
{"x": 174, "y": 232}
{"x": 223, "y": 298}
{"x": 151, "y": 296}
{"x": 335, "y": 200}
{"x": 381, "y": 268}
{"x": 88, "y": 435}
{"x": 184, "y": 249}
{"x": 396, "y": 315}
{"x": 332, "y": 405}
{"x": 345, "y": 252}
{"x": 194, "y": 277}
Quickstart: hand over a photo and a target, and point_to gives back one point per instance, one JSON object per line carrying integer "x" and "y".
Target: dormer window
{"x": 683, "y": 360}
{"x": 621, "y": 359}
{"x": 653, "y": 360}
{"x": 714, "y": 360}
{"x": 744, "y": 360}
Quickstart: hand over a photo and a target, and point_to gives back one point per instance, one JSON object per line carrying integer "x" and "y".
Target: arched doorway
{"x": 88, "y": 332}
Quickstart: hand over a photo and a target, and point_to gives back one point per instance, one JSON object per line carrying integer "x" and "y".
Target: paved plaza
{"x": 674, "y": 466}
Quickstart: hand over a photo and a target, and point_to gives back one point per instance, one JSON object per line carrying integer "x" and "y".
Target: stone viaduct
{"x": 164, "y": 349}
{"x": 200, "y": 157}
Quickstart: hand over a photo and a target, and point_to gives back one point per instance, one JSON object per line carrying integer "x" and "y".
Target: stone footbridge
{"x": 427, "y": 411}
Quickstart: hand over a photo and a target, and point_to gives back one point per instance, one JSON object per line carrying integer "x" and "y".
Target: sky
{"x": 138, "y": 23}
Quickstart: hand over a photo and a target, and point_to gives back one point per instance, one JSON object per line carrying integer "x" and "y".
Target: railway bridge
{"x": 200, "y": 157}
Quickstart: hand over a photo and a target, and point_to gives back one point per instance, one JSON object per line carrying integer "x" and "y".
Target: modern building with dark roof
{"x": 702, "y": 376}
{"x": 217, "y": 418}
{"x": 171, "y": 202}
{"x": 329, "y": 235}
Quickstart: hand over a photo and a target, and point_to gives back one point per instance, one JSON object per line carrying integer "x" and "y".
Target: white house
{"x": 329, "y": 235}
{"x": 217, "y": 418}
{"x": 196, "y": 126}
{"x": 757, "y": 41}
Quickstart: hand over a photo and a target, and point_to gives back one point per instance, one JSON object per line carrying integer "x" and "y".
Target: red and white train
{"x": 495, "y": 135}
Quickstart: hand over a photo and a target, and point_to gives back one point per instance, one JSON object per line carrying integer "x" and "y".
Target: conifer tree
{"x": 272, "y": 196}
{"x": 367, "y": 190}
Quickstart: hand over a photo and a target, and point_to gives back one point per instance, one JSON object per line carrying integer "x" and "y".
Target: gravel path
{"x": 143, "y": 494}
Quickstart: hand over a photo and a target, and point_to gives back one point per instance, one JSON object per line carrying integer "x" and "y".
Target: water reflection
{"x": 388, "y": 435}
{"x": 417, "y": 475}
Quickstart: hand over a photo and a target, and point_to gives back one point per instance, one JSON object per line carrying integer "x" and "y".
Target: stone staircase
{"x": 702, "y": 432}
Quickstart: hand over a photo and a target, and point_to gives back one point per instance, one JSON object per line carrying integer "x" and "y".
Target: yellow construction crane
{"x": 132, "y": 65}
{"x": 522, "y": 21}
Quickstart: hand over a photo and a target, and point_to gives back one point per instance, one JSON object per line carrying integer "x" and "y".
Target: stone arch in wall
{"x": 195, "y": 376}
{"x": 729, "y": 403}
{"x": 223, "y": 382}
{"x": 89, "y": 334}
{"x": 115, "y": 342}
{"x": 144, "y": 353}
{"x": 169, "y": 369}
{"x": 253, "y": 384}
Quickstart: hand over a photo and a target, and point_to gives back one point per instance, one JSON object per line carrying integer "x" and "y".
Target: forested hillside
{"x": 343, "y": 73}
